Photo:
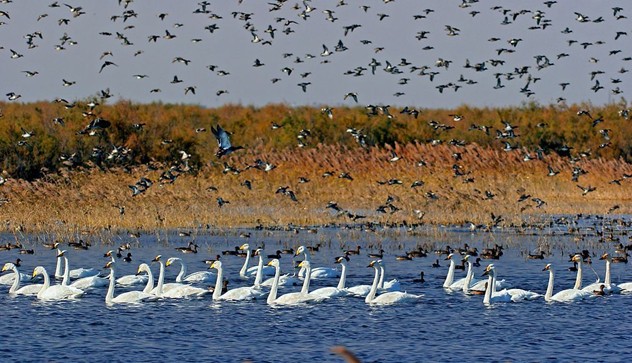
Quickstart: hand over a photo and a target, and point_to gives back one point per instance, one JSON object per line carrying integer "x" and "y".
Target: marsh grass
{"x": 85, "y": 201}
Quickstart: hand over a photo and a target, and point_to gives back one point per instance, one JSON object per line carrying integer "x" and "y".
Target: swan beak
{"x": 156, "y": 259}
{"x": 168, "y": 263}
{"x": 4, "y": 268}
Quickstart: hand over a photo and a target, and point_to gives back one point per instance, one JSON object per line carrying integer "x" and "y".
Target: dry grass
{"x": 88, "y": 200}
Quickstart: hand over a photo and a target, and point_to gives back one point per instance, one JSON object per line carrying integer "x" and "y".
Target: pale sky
{"x": 231, "y": 49}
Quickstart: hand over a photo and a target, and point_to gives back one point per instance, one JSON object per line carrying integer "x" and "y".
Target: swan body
{"x": 131, "y": 297}
{"x": 246, "y": 271}
{"x": 161, "y": 288}
{"x": 330, "y": 291}
{"x": 609, "y": 288}
{"x": 72, "y": 274}
{"x": 464, "y": 283}
{"x": 292, "y": 298}
{"x": 83, "y": 283}
{"x": 55, "y": 292}
{"x": 315, "y": 273}
{"x": 625, "y": 287}
{"x": 238, "y": 294}
{"x": 199, "y": 276}
{"x": 9, "y": 279}
{"x": 388, "y": 286}
{"x": 492, "y": 296}
{"x": 386, "y": 298}
{"x": 130, "y": 280}
{"x": 15, "y": 288}
{"x": 568, "y": 295}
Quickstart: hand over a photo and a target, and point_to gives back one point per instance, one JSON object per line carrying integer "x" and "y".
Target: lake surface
{"x": 439, "y": 327}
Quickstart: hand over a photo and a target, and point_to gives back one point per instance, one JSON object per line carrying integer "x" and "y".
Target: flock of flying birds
{"x": 446, "y": 51}
{"x": 161, "y": 33}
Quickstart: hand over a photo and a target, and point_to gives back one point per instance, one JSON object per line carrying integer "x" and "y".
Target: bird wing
{"x": 222, "y": 137}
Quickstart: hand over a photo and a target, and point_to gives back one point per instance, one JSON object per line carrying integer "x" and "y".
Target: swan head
{"x": 577, "y": 258}
{"x": 304, "y": 264}
{"x": 216, "y": 265}
{"x": 299, "y": 250}
{"x": 39, "y": 270}
{"x": 258, "y": 252}
{"x": 8, "y": 266}
{"x": 157, "y": 258}
{"x": 55, "y": 245}
{"x": 244, "y": 247}
{"x": 171, "y": 260}
{"x": 108, "y": 253}
{"x": 342, "y": 259}
{"x": 489, "y": 270}
{"x": 605, "y": 256}
{"x": 110, "y": 264}
{"x": 548, "y": 267}
{"x": 449, "y": 257}
{"x": 466, "y": 258}
{"x": 61, "y": 253}
{"x": 373, "y": 264}
{"x": 273, "y": 262}
{"x": 143, "y": 267}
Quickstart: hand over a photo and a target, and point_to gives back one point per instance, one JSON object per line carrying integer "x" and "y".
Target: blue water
{"x": 440, "y": 327}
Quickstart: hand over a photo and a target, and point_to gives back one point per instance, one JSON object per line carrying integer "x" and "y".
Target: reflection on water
{"x": 441, "y": 326}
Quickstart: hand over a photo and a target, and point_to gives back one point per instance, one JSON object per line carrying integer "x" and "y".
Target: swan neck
{"x": 450, "y": 277}
{"x": 578, "y": 280}
{"x": 607, "y": 278}
{"x": 468, "y": 278}
{"x": 161, "y": 279}
{"x": 308, "y": 275}
{"x": 343, "y": 277}
{"x": 58, "y": 273}
{"x": 16, "y": 281}
{"x": 549, "y": 288}
{"x": 373, "y": 290}
{"x": 244, "y": 268}
{"x": 110, "y": 294}
{"x": 218, "y": 283}
{"x": 150, "y": 281}
{"x": 183, "y": 271}
{"x": 45, "y": 286}
{"x": 66, "y": 280}
{"x": 275, "y": 285}
{"x": 380, "y": 284}
{"x": 488, "y": 290}
{"x": 259, "y": 275}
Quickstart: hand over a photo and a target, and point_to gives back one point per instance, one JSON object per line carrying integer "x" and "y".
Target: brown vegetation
{"x": 86, "y": 196}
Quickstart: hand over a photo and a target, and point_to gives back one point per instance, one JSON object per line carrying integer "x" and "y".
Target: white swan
{"x": 578, "y": 280}
{"x": 392, "y": 285}
{"x": 386, "y": 298}
{"x": 129, "y": 280}
{"x": 330, "y": 291}
{"x": 83, "y": 283}
{"x": 15, "y": 289}
{"x": 199, "y": 276}
{"x": 238, "y": 294}
{"x": 449, "y": 279}
{"x": 464, "y": 283}
{"x": 318, "y": 272}
{"x": 246, "y": 271}
{"x": 491, "y": 295}
{"x": 73, "y": 274}
{"x": 516, "y": 295}
{"x": 609, "y": 288}
{"x": 143, "y": 267}
{"x": 174, "y": 290}
{"x": 568, "y": 295}
{"x": 130, "y": 297}
{"x": 55, "y": 292}
{"x": 292, "y": 298}
{"x": 8, "y": 279}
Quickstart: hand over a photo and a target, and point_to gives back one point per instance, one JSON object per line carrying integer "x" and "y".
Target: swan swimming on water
{"x": 129, "y": 280}
{"x": 292, "y": 298}
{"x": 246, "y": 271}
{"x": 568, "y": 295}
{"x": 318, "y": 272}
{"x": 609, "y": 288}
{"x": 386, "y": 298}
{"x": 15, "y": 289}
{"x": 130, "y": 297}
{"x": 55, "y": 292}
{"x": 330, "y": 291}
{"x": 83, "y": 283}
{"x": 8, "y": 279}
{"x": 238, "y": 294}
{"x": 199, "y": 276}
{"x": 174, "y": 290}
